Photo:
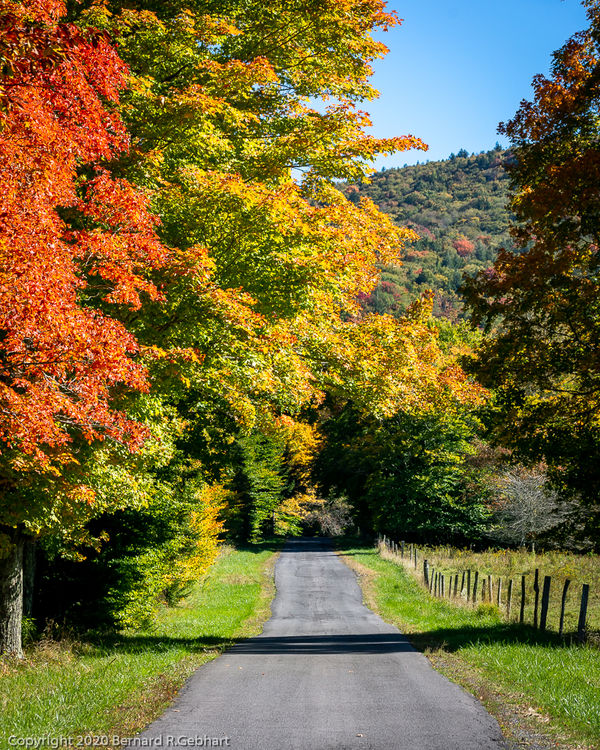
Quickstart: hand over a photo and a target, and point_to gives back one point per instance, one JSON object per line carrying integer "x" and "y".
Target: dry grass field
{"x": 510, "y": 565}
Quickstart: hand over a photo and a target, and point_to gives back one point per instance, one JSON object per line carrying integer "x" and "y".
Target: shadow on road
{"x": 366, "y": 643}
{"x": 451, "y": 639}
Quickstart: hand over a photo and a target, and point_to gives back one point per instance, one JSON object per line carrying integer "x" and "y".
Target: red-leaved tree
{"x": 72, "y": 240}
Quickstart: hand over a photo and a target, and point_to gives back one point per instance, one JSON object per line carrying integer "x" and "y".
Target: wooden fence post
{"x": 483, "y": 589}
{"x": 499, "y": 592}
{"x": 426, "y": 572}
{"x": 490, "y": 589}
{"x": 536, "y": 588}
{"x": 563, "y": 603}
{"x": 443, "y": 582}
{"x": 456, "y": 585}
{"x": 522, "y": 612}
{"x": 509, "y": 598}
{"x": 415, "y": 558}
{"x": 469, "y": 585}
{"x": 462, "y": 583}
{"x": 431, "y": 577}
{"x": 475, "y": 586}
{"x": 585, "y": 592}
{"x": 545, "y": 602}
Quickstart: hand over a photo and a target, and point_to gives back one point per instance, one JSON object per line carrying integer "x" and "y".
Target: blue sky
{"x": 456, "y": 69}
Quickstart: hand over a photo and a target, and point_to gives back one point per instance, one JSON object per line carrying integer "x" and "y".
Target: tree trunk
{"x": 11, "y": 594}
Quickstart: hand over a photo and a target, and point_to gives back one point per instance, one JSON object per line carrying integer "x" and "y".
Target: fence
{"x": 472, "y": 587}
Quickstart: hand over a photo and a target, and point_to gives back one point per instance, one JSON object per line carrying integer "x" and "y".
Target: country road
{"x": 326, "y": 673}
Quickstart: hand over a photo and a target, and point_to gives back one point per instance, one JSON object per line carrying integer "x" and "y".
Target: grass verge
{"x": 113, "y": 685}
{"x": 543, "y": 692}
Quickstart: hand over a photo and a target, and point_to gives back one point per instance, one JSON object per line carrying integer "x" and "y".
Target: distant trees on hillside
{"x": 458, "y": 209}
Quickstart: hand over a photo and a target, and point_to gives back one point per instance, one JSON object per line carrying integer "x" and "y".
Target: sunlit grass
{"x": 564, "y": 681}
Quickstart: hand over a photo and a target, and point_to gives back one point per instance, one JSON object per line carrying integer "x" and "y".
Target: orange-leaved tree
{"x": 70, "y": 233}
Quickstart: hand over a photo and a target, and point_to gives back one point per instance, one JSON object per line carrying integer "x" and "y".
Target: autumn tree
{"x": 399, "y": 430}
{"x": 217, "y": 112}
{"x": 239, "y": 120}
{"x": 270, "y": 257}
{"x": 541, "y": 304}
{"x": 67, "y": 234}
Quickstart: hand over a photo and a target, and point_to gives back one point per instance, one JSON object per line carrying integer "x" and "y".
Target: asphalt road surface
{"x": 326, "y": 673}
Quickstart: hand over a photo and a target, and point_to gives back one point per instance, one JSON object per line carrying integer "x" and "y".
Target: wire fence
{"x": 522, "y": 598}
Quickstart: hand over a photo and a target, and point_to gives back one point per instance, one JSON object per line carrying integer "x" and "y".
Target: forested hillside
{"x": 458, "y": 209}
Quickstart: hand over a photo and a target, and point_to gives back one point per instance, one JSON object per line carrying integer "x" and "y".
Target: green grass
{"x": 537, "y": 670}
{"x": 115, "y": 684}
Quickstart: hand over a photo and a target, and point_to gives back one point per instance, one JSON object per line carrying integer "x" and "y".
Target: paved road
{"x": 326, "y": 674}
